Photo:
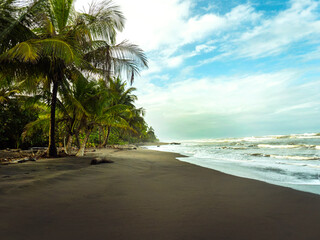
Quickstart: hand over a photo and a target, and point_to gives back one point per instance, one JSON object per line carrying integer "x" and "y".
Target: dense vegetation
{"x": 63, "y": 77}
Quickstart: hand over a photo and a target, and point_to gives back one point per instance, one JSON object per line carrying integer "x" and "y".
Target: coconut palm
{"x": 49, "y": 53}
{"x": 118, "y": 95}
{"x": 86, "y": 106}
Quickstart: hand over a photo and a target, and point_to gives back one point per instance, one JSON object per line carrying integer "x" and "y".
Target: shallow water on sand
{"x": 286, "y": 160}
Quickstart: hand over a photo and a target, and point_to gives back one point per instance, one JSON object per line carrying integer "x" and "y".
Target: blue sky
{"x": 227, "y": 68}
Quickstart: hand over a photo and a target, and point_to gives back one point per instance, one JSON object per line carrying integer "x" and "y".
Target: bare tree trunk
{"x": 52, "y": 149}
{"x": 80, "y": 153}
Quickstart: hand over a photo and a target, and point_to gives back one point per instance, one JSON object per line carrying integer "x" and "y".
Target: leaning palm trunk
{"x": 52, "y": 149}
{"x": 106, "y": 139}
{"x": 67, "y": 147}
{"x": 80, "y": 153}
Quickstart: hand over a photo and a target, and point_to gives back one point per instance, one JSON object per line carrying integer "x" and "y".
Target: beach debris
{"x": 96, "y": 161}
{"x": 26, "y": 159}
{"x": 4, "y": 161}
{"x": 38, "y": 149}
{"x": 12, "y": 150}
{"x": 89, "y": 150}
{"x": 175, "y": 143}
{"x": 123, "y": 147}
{"x": 7, "y": 161}
{"x": 40, "y": 154}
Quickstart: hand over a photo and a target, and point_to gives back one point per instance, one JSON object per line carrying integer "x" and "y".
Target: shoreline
{"x": 308, "y": 187}
{"x": 147, "y": 194}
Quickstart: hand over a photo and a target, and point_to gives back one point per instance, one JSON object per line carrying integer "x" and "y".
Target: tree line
{"x": 63, "y": 77}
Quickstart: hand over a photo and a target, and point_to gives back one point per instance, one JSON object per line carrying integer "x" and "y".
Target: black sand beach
{"x": 147, "y": 195}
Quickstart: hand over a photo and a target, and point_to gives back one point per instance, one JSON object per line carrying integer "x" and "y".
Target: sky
{"x": 226, "y": 68}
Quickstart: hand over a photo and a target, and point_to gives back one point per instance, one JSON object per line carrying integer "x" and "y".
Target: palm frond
{"x": 24, "y": 52}
{"x": 126, "y": 50}
{"x": 16, "y": 19}
{"x": 60, "y": 13}
{"x": 41, "y": 123}
{"x": 103, "y": 20}
{"x": 57, "y": 48}
{"x": 32, "y": 50}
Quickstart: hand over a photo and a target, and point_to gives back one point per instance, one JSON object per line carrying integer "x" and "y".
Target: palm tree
{"x": 87, "y": 106}
{"x": 89, "y": 101}
{"x": 118, "y": 96}
{"x": 59, "y": 43}
{"x": 49, "y": 52}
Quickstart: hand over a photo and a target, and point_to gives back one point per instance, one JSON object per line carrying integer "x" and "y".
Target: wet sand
{"x": 147, "y": 195}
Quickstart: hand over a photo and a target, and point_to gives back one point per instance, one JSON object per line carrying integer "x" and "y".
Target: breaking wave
{"x": 287, "y": 160}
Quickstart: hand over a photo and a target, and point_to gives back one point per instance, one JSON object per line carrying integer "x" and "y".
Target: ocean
{"x": 286, "y": 160}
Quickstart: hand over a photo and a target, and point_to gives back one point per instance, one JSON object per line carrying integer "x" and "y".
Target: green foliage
{"x": 50, "y": 57}
{"x": 13, "y": 117}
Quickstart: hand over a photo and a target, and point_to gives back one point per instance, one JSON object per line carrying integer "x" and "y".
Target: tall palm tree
{"x": 48, "y": 53}
{"x": 119, "y": 95}
{"x": 86, "y": 106}
{"x": 59, "y": 43}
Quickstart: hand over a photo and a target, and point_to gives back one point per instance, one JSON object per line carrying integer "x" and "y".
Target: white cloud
{"x": 204, "y": 48}
{"x": 273, "y": 36}
{"x": 174, "y": 61}
{"x": 152, "y": 24}
{"x": 238, "y": 100}
{"x": 166, "y": 25}
{"x": 210, "y": 6}
{"x": 163, "y": 26}
{"x": 158, "y": 23}
{"x": 201, "y": 26}
{"x": 211, "y": 105}
{"x": 312, "y": 55}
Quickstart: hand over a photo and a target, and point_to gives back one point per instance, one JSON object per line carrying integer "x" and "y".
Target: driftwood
{"x": 122, "y": 147}
{"x": 6, "y": 161}
{"x": 99, "y": 161}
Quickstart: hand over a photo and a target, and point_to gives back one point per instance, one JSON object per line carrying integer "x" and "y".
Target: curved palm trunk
{"x": 80, "y": 153}
{"x": 106, "y": 139}
{"x": 100, "y": 135}
{"x": 67, "y": 147}
{"x": 52, "y": 149}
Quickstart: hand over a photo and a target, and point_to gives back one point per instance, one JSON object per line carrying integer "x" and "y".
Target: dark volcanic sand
{"x": 147, "y": 195}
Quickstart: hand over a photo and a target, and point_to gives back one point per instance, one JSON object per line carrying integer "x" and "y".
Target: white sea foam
{"x": 295, "y": 157}
{"x": 278, "y": 146}
{"x": 286, "y": 160}
{"x": 258, "y": 139}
